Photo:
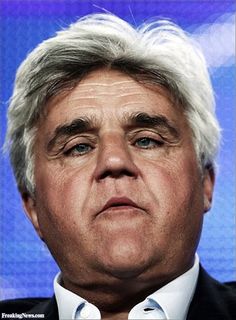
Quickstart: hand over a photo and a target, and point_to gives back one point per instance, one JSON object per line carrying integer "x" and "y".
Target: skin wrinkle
{"x": 111, "y": 253}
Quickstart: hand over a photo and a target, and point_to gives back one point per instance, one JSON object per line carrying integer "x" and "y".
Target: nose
{"x": 114, "y": 159}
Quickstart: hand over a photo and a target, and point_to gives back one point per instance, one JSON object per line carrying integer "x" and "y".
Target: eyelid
{"x": 80, "y": 139}
{"x": 144, "y": 133}
{"x": 72, "y": 150}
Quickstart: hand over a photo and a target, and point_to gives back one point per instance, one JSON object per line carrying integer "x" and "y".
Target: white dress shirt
{"x": 169, "y": 302}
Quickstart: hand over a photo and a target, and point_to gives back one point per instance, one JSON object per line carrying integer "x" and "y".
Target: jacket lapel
{"x": 211, "y": 300}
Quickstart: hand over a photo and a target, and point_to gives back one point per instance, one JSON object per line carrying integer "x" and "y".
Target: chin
{"x": 126, "y": 260}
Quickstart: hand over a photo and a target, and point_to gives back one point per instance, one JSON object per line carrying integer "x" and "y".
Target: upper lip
{"x": 119, "y": 201}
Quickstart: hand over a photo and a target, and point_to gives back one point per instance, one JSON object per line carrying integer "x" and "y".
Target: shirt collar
{"x": 174, "y": 298}
{"x": 67, "y": 301}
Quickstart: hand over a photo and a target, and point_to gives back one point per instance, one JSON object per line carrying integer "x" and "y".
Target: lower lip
{"x": 121, "y": 211}
{"x": 124, "y": 207}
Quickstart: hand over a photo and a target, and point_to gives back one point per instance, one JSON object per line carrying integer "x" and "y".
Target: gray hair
{"x": 159, "y": 53}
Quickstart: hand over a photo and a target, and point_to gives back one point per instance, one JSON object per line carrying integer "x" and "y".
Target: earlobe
{"x": 31, "y": 212}
{"x": 207, "y": 204}
{"x": 208, "y": 186}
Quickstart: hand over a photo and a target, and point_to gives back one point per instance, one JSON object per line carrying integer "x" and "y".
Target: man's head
{"x": 112, "y": 138}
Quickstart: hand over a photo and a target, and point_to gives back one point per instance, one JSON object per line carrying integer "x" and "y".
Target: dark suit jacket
{"x": 212, "y": 301}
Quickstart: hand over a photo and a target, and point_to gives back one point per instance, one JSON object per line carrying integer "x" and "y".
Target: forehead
{"x": 107, "y": 93}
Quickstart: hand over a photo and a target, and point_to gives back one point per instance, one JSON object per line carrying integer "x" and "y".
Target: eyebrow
{"x": 72, "y": 128}
{"x": 134, "y": 120}
{"x": 142, "y": 119}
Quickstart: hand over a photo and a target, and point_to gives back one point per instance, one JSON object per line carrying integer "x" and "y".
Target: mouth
{"x": 119, "y": 203}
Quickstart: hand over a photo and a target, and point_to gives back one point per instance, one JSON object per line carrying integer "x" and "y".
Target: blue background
{"x": 26, "y": 267}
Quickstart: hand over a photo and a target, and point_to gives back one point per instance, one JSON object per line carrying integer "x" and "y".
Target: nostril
{"x": 116, "y": 174}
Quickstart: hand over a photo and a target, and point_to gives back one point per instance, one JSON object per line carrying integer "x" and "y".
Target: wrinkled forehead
{"x": 108, "y": 87}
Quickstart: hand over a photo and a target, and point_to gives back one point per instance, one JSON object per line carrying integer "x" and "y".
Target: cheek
{"x": 60, "y": 200}
{"x": 176, "y": 187}
{"x": 177, "y": 204}
{"x": 62, "y": 193}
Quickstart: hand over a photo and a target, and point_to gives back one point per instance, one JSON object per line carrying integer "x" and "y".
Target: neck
{"x": 115, "y": 316}
{"x": 115, "y": 297}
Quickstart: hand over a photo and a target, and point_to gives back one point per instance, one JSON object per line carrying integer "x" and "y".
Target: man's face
{"x": 118, "y": 190}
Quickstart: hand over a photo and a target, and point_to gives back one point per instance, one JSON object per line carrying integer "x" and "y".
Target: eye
{"x": 148, "y": 143}
{"x": 79, "y": 149}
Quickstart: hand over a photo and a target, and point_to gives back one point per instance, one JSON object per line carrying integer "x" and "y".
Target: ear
{"x": 31, "y": 212}
{"x": 208, "y": 187}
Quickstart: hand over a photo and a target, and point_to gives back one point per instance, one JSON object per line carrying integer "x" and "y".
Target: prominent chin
{"x": 125, "y": 261}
